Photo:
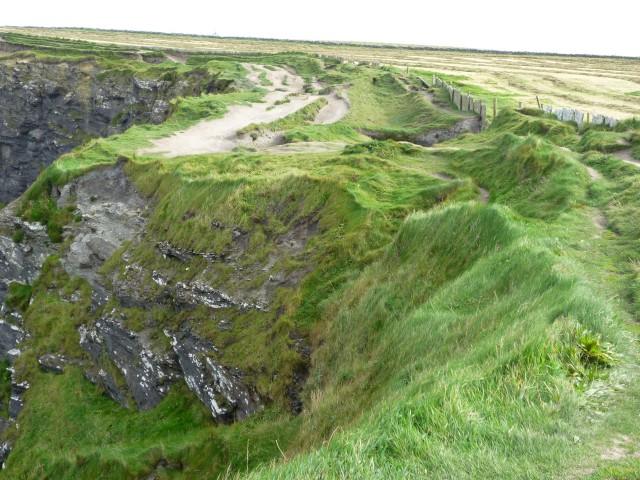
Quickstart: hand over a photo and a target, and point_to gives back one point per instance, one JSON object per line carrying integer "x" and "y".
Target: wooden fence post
{"x": 495, "y": 107}
{"x": 539, "y": 105}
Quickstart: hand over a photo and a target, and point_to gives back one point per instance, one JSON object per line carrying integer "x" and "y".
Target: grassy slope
{"x": 472, "y": 344}
{"x": 463, "y": 337}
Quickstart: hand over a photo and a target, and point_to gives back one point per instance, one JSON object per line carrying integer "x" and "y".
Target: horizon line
{"x": 351, "y": 43}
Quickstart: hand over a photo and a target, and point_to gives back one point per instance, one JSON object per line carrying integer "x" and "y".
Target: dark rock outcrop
{"x": 182, "y": 255}
{"x": 50, "y": 107}
{"x": 220, "y": 388}
{"x": 197, "y": 293}
{"x": 5, "y": 450}
{"x": 21, "y": 262}
{"x": 141, "y": 373}
{"x": 112, "y": 213}
{"x": 17, "y": 402}
{"x": 10, "y": 338}
{"x": 126, "y": 366}
{"x": 52, "y": 363}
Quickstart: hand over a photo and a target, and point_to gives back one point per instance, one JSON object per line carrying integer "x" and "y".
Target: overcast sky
{"x": 608, "y": 27}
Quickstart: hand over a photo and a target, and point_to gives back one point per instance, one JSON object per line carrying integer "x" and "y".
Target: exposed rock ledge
{"x": 130, "y": 371}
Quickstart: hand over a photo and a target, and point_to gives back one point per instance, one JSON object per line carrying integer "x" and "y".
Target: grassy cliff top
{"x": 468, "y": 312}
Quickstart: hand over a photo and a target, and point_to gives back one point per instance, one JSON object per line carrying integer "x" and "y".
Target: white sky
{"x": 608, "y": 27}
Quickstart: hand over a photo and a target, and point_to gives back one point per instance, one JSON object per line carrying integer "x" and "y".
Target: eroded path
{"x": 285, "y": 96}
{"x": 627, "y": 157}
{"x": 335, "y": 110}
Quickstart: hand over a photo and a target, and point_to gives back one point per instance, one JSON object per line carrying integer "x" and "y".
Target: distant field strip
{"x": 608, "y": 86}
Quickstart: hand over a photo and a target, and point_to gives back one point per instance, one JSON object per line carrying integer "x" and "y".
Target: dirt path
{"x": 594, "y": 174}
{"x": 598, "y": 217}
{"x": 306, "y": 147}
{"x": 627, "y": 157}
{"x": 470, "y": 124}
{"x": 443, "y": 176}
{"x": 220, "y": 134}
{"x": 466, "y": 125}
{"x": 335, "y": 110}
{"x": 176, "y": 57}
{"x": 484, "y": 193}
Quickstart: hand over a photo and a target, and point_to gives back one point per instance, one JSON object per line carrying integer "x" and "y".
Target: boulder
{"x": 52, "y": 363}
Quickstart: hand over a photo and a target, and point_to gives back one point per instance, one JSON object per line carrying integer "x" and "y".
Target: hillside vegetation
{"x": 457, "y": 311}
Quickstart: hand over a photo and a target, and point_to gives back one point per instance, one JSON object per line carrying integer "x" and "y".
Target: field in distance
{"x": 605, "y": 85}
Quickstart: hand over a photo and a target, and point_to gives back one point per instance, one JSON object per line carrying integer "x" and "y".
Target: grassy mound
{"x": 532, "y": 175}
{"x": 437, "y": 361}
{"x": 604, "y": 141}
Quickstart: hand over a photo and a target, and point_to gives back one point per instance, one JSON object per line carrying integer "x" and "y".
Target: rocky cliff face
{"x": 130, "y": 367}
{"x": 47, "y": 108}
{"x": 144, "y": 317}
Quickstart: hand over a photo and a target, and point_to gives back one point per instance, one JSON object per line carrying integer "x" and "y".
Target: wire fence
{"x": 467, "y": 103}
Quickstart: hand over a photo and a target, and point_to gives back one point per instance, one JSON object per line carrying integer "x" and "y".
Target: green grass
{"x": 304, "y": 116}
{"x": 452, "y": 364}
{"x": 621, "y": 205}
{"x": 450, "y": 338}
{"x": 264, "y": 81}
{"x": 70, "y": 430}
{"x": 380, "y": 104}
{"x": 5, "y": 388}
{"x": 504, "y": 100}
{"x": 604, "y": 141}
{"x": 18, "y": 296}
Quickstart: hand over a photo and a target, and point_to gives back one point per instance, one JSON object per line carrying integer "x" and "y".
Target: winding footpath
{"x": 285, "y": 95}
{"x": 627, "y": 157}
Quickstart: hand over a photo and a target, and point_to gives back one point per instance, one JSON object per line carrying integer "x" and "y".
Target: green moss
{"x": 43, "y": 209}
{"x": 18, "y": 235}
{"x": 18, "y": 296}
{"x": 59, "y": 305}
{"x": 5, "y": 388}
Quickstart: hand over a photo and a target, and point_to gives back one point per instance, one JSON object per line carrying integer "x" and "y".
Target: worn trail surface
{"x": 221, "y": 134}
{"x": 335, "y": 110}
{"x": 626, "y": 156}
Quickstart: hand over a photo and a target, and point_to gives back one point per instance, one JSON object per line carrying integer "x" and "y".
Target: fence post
{"x": 495, "y": 107}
